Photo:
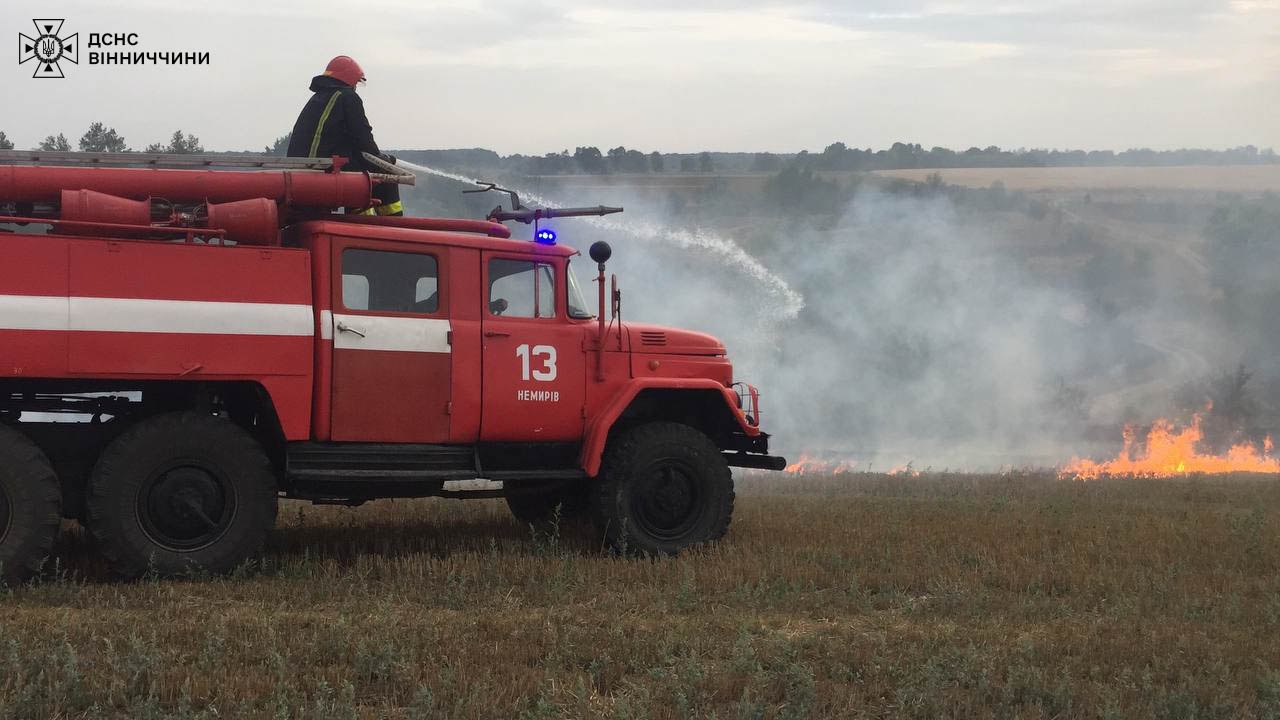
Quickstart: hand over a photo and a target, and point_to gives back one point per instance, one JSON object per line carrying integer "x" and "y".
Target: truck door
{"x": 534, "y": 375}
{"x": 391, "y": 352}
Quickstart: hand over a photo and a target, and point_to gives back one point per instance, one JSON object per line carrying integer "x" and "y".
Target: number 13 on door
{"x": 537, "y": 362}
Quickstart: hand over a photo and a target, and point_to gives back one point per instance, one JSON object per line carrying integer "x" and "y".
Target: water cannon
{"x": 526, "y": 215}
{"x": 529, "y": 215}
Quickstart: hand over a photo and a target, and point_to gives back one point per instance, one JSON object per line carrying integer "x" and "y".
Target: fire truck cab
{"x": 169, "y": 370}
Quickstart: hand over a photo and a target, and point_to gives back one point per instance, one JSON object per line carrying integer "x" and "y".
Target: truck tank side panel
{"x": 33, "y": 307}
{"x": 193, "y": 355}
{"x": 152, "y": 311}
{"x": 465, "y": 298}
{"x": 190, "y": 272}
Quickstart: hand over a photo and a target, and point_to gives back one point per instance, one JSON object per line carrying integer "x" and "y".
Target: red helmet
{"x": 345, "y": 69}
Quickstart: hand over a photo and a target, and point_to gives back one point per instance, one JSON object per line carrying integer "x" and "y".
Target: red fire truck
{"x": 186, "y": 339}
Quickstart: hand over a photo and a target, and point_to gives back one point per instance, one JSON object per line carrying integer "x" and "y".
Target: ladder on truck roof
{"x": 203, "y": 161}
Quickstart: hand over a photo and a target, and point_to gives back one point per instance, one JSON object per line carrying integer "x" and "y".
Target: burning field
{"x": 1167, "y": 450}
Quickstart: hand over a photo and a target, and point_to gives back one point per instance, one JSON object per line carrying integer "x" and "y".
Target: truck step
{"x": 535, "y": 475}
{"x": 358, "y": 461}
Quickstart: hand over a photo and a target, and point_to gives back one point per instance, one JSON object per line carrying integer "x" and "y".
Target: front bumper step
{"x": 756, "y": 462}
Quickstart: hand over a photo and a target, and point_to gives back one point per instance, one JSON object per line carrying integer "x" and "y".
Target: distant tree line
{"x": 590, "y": 160}
{"x": 620, "y": 160}
{"x": 838, "y": 156}
{"x": 178, "y": 143}
{"x": 280, "y": 146}
{"x": 100, "y": 138}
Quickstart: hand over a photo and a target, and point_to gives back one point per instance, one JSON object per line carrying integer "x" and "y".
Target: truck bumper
{"x": 752, "y": 451}
{"x": 757, "y": 462}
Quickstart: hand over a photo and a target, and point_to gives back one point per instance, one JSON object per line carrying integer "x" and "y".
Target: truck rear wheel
{"x": 30, "y": 507}
{"x": 663, "y": 487}
{"x": 181, "y": 492}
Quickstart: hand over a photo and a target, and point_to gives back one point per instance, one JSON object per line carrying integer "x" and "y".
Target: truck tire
{"x": 663, "y": 487}
{"x": 180, "y": 493}
{"x": 30, "y": 507}
{"x": 539, "y": 508}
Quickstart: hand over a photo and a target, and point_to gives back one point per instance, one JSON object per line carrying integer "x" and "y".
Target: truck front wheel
{"x": 181, "y": 492}
{"x": 663, "y": 487}
{"x": 30, "y": 507}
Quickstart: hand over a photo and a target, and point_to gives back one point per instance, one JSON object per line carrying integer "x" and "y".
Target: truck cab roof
{"x": 477, "y": 240}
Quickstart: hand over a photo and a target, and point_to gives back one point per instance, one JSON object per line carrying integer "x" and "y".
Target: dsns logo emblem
{"x": 48, "y": 48}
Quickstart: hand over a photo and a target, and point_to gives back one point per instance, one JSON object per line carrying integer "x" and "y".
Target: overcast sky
{"x": 534, "y": 76}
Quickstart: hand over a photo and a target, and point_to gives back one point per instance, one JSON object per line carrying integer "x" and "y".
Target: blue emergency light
{"x": 545, "y": 237}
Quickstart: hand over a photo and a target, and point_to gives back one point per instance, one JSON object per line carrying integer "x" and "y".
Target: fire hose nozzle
{"x": 392, "y": 172}
{"x": 528, "y": 215}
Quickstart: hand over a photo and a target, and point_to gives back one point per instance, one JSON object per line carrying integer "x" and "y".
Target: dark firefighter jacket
{"x": 333, "y": 123}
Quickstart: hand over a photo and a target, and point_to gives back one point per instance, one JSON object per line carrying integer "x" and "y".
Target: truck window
{"x": 382, "y": 281}
{"x": 521, "y": 288}
{"x": 577, "y": 306}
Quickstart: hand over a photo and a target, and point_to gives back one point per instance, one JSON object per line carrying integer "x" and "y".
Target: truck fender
{"x": 597, "y": 430}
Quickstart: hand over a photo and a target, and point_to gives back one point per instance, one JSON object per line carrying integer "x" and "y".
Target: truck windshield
{"x": 577, "y": 307}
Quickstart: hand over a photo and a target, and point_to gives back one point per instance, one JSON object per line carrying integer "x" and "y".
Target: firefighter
{"x": 333, "y": 123}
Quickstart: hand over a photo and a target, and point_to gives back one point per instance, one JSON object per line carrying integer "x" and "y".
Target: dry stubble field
{"x": 1208, "y": 178}
{"x": 858, "y": 596}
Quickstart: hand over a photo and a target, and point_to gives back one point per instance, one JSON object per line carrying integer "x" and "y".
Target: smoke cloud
{"x": 965, "y": 330}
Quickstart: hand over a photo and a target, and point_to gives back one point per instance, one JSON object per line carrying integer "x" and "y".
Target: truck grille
{"x": 653, "y": 337}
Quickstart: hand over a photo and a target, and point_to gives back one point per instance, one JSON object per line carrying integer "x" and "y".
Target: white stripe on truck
{"x": 32, "y": 312}
{"x": 197, "y": 317}
{"x": 134, "y": 315}
{"x": 394, "y": 334}
{"x": 190, "y": 317}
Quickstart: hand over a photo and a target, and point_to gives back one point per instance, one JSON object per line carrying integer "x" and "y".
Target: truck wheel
{"x": 181, "y": 492}
{"x": 663, "y": 487}
{"x": 30, "y": 507}
{"x": 539, "y": 508}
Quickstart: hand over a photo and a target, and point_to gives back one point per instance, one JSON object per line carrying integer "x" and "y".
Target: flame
{"x": 1170, "y": 452}
{"x": 809, "y": 465}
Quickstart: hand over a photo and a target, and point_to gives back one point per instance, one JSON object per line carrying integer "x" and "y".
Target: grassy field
{"x": 858, "y": 596}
